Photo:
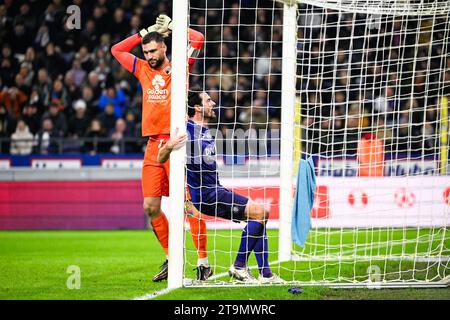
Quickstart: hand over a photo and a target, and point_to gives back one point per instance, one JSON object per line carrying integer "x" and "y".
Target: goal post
{"x": 177, "y": 157}
{"x": 288, "y": 94}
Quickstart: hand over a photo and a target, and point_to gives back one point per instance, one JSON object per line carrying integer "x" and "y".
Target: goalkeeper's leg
{"x": 160, "y": 225}
{"x": 198, "y": 232}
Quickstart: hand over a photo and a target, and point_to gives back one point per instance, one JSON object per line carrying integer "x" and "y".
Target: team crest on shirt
{"x": 168, "y": 70}
{"x": 158, "y": 81}
{"x": 157, "y": 93}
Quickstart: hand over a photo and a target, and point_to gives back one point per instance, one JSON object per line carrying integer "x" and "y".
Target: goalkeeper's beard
{"x": 155, "y": 63}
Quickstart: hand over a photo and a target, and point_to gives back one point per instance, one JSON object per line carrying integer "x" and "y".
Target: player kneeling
{"x": 211, "y": 198}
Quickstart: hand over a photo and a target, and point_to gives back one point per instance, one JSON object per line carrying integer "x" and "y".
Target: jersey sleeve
{"x": 196, "y": 40}
{"x": 121, "y": 51}
{"x": 137, "y": 68}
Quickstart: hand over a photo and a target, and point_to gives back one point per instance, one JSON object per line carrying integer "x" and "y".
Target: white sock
{"x": 202, "y": 262}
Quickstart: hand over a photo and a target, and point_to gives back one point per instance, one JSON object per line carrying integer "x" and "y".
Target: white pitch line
{"x": 155, "y": 294}
{"x": 152, "y": 295}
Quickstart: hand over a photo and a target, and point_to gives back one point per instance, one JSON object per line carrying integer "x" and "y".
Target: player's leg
{"x": 257, "y": 214}
{"x": 198, "y": 232}
{"x": 232, "y": 206}
{"x": 158, "y": 220}
{"x": 155, "y": 185}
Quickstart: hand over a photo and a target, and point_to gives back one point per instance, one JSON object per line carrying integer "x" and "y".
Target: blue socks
{"x": 254, "y": 238}
{"x": 262, "y": 255}
{"x": 252, "y": 232}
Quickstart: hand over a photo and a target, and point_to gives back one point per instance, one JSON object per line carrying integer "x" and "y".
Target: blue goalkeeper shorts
{"x": 221, "y": 202}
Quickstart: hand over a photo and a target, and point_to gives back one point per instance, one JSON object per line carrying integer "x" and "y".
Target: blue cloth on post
{"x": 303, "y": 201}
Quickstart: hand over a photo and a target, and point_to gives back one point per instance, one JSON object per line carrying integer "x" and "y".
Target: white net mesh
{"x": 373, "y": 79}
{"x": 373, "y": 91}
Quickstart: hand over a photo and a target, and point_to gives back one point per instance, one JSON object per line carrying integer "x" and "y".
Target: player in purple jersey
{"x": 211, "y": 198}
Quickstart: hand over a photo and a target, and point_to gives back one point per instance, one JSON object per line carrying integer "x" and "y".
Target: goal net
{"x": 362, "y": 88}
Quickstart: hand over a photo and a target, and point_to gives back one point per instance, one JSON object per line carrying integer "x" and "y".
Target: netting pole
{"x": 177, "y": 157}
{"x": 289, "y": 66}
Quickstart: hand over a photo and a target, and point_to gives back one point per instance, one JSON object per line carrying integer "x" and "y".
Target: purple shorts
{"x": 222, "y": 203}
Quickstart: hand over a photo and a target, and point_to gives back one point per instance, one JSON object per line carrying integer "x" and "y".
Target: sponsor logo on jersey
{"x": 157, "y": 93}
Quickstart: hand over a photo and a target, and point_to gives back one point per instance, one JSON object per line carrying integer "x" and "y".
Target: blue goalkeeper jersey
{"x": 202, "y": 175}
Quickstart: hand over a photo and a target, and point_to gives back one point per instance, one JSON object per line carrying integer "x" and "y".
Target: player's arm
{"x": 175, "y": 142}
{"x": 196, "y": 38}
{"x": 121, "y": 50}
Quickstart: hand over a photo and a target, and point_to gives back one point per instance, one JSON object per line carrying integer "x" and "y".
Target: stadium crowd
{"x": 60, "y": 84}
{"x": 61, "y": 91}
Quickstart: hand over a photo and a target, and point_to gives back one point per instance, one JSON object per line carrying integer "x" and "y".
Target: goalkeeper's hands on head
{"x": 163, "y": 26}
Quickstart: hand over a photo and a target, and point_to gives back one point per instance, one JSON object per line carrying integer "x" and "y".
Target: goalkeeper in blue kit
{"x": 211, "y": 198}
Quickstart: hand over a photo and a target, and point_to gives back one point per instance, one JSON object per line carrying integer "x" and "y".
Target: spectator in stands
{"x": 30, "y": 60}
{"x": 108, "y": 118}
{"x": 117, "y": 136}
{"x": 8, "y": 65}
{"x": 59, "y": 92}
{"x": 77, "y": 72}
{"x": 131, "y": 127}
{"x": 7, "y": 125}
{"x": 59, "y": 122}
{"x": 96, "y": 142}
{"x": 331, "y": 86}
{"x": 21, "y": 139}
{"x": 43, "y": 87}
{"x": 87, "y": 95}
{"x": 88, "y": 36}
{"x": 95, "y": 85}
{"x": 52, "y": 61}
{"x": 85, "y": 59}
{"x": 14, "y": 99}
{"x": 116, "y": 98}
{"x": 45, "y": 141}
{"x": 31, "y": 118}
{"x": 42, "y": 37}
{"x": 79, "y": 122}
{"x": 27, "y": 74}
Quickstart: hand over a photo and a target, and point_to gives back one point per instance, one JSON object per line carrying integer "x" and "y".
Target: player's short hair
{"x": 153, "y": 36}
{"x": 194, "y": 98}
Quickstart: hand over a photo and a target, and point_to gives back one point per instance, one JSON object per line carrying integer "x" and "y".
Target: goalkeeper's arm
{"x": 196, "y": 39}
{"x": 175, "y": 142}
{"x": 121, "y": 50}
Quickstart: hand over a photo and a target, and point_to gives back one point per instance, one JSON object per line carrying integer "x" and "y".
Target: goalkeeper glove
{"x": 144, "y": 32}
{"x": 164, "y": 25}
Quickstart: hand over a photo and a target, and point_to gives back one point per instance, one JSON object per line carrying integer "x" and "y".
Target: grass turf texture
{"x": 120, "y": 264}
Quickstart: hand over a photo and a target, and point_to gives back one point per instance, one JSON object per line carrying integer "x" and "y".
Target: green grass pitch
{"x": 120, "y": 264}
